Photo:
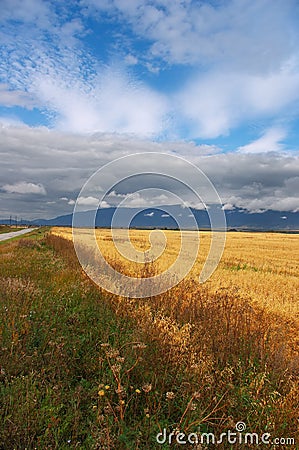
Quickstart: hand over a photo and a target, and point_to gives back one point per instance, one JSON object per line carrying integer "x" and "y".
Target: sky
{"x": 83, "y": 82}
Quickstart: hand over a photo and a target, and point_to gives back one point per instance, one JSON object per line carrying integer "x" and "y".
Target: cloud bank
{"x": 51, "y": 168}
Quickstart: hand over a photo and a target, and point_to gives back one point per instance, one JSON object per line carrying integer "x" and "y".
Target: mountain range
{"x": 162, "y": 217}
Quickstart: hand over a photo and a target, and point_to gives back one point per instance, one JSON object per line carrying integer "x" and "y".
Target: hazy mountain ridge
{"x": 160, "y": 217}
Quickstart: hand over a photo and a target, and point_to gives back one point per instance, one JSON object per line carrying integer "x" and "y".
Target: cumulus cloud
{"x": 23, "y": 187}
{"x": 88, "y": 201}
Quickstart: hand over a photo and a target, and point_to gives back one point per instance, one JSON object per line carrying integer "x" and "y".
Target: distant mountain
{"x": 161, "y": 218}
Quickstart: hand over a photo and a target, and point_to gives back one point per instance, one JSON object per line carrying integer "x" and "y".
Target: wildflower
{"x": 112, "y": 353}
{"x": 106, "y": 344}
{"x": 101, "y": 393}
{"x": 147, "y": 415}
{"x": 138, "y": 391}
{"x": 107, "y": 387}
{"x": 170, "y": 395}
{"x": 116, "y": 368}
{"x": 94, "y": 407}
{"x": 122, "y": 402}
{"x": 120, "y": 359}
{"x": 147, "y": 387}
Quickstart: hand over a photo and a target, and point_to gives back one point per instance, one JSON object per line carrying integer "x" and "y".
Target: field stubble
{"x": 264, "y": 267}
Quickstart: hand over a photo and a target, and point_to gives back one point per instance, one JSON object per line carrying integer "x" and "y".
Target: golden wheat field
{"x": 263, "y": 267}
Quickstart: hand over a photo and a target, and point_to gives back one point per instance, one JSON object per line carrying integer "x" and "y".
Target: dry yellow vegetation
{"x": 236, "y": 336}
{"x": 263, "y": 267}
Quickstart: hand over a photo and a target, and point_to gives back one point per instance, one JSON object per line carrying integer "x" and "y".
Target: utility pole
{"x": 10, "y": 220}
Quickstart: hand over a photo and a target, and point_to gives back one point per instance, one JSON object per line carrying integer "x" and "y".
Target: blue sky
{"x": 216, "y": 80}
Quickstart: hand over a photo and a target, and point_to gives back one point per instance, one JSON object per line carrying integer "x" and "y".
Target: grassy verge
{"x": 53, "y": 323}
{"x": 80, "y": 369}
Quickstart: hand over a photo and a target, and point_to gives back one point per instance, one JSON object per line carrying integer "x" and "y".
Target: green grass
{"x": 53, "y": 325}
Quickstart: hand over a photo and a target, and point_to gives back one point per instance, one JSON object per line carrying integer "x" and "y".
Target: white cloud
{"x": 74, "y": 90}
{"x": 151, "y": 214}
{"x": 270, "y": 141}
{"x": 264, "y": 203}
{"x": 228, "y": 207}
{"x": 88, "y": 201}
{"x": 134, "y": 200}
{"x": 109, "y": 100}
{"x": 11, "y": 98}
{"x": 240, "y": 33}
{"x": 131, "y": 60}
{"x": 36, "y": 12}
{"x": 211, "y": 105}
{"x": 24, "y": 187}
{"x": 104, "y": 204}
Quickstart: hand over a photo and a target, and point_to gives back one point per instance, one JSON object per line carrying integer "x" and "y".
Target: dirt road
{"x": 5, "y": 236}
